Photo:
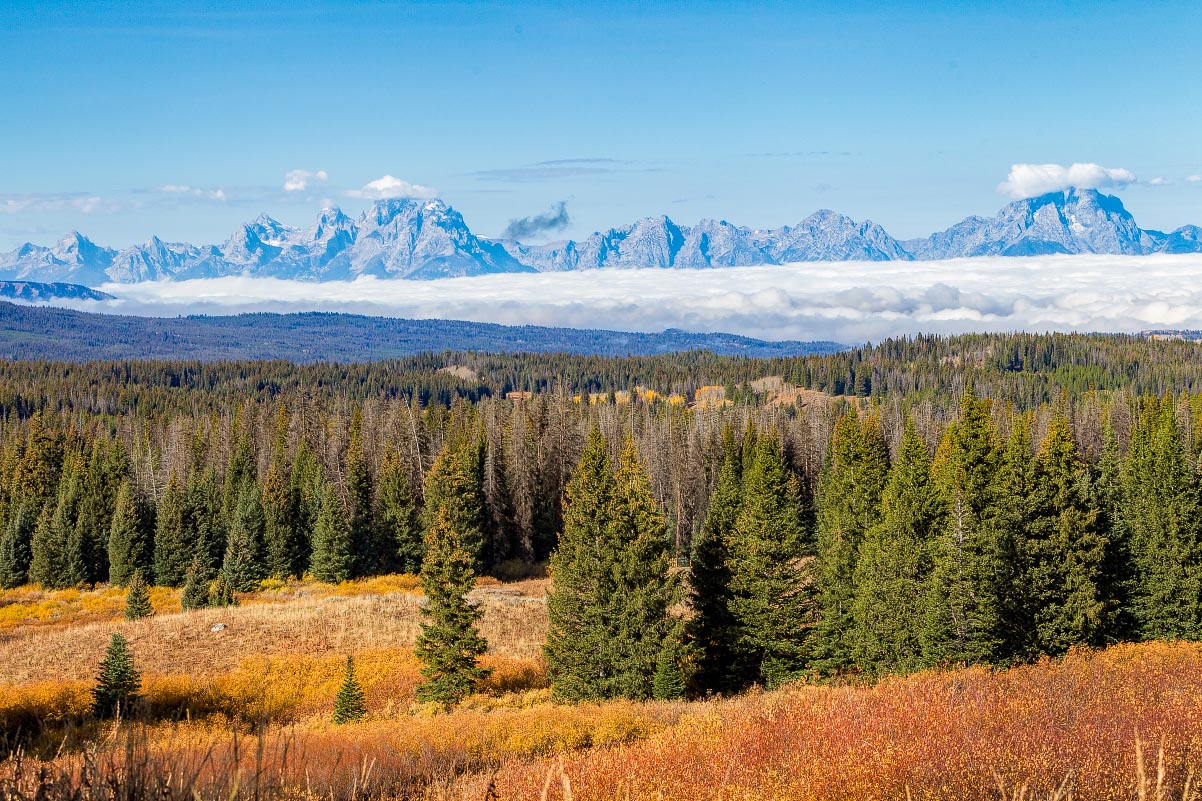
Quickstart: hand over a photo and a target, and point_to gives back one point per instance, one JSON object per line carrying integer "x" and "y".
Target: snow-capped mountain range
{"x": 426, "y": 239}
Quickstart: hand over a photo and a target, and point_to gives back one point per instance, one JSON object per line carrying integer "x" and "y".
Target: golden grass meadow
{"x": 245, "y": 710}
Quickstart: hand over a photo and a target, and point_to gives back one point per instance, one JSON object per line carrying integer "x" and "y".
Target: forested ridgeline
{"x": 1025, "y": 370}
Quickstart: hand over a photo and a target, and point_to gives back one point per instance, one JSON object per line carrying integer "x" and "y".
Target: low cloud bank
{"x": 848, "y": 302}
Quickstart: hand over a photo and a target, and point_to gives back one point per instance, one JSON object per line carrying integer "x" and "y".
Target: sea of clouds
{"x": 848, "y": 302}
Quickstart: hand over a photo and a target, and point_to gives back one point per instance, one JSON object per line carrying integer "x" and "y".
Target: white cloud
{"x": 1158, "y": 181}
{"x": 1030, "y": 180}
{"x": 183, "y": 190}
{"x": 81, "y": 202}
{"x": 1194, "y": 179}
{"x": 299, "y": 180}
{"x": 848, "y": 302}
{"x": 390, "y": 186}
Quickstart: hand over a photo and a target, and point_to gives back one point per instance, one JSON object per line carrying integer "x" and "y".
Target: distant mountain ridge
{"x": 427, "y": 239}
{"x": 35, "y": 292}
{"x": 37, "y": 332}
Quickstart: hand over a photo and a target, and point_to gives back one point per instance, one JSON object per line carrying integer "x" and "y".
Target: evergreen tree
{"x": 1007, "y": 524}
{"x": 368, "y": 559}
{"x": 712, "y": 627}
{"x": 333, "y": 558}
{"x": 173, "y": 545}
{"x": 895, "y": 565}
{"x": 14, "y": 548}
{"x": 239, "y": 471}
{"x": 455, "y": 485}
{"x": 307, "y": 486}
{"x": 203, "y": 498}
{"x": 137, "y": 600}
{"x": 638, "y": 549}
{"x": 772, "y": 600}
{"x": 962, "y": 616}
{"x": 669, "y": 682}
{"x": 46, "y": 552}
{"x": 576, "y": 648}
{"x": 244, "y": 566}
{"x": 1161, "y": 510}
{"x": 280, "y": 529}
{"x": 221, "y": 593}
{"x": 1117, "y": 581}
{"x": 87, "y": 551}
{"x": 129, "y": 547}
{"x": 350, "y": 704}
{"x": 849, "y": 499}
{"x": 196, "y": 588}
{"x": 1066, "y": 552}
{"x": 118, "y": 684}
{"x": 397, "y": 516}
{"x": 449, "y": 646}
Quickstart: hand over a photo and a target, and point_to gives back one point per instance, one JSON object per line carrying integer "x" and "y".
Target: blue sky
{"x": 127, "y": 119}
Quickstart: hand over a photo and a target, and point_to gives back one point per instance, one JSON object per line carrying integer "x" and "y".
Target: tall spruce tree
{"x": 281, "y": 545}
{"x": 333, "y": 556}
{"x": 195, "y": 594}
{"x": 449, "y": 646}
{"x": 1007, "y": 521}
{"x": 962, "y": 616}
{"x": 895, "y": 565}
{"x": 46, "y": 551}
{"x": 108, "y": 468}
{"x": 368, "y": 559}
{"x": 1117, "y": 581}
{"x": 1161, "y": 510}
{"x": 849, "y": 500}
{"x": 576, "y": 648}
{"x": 712, "y": 627}
{"x": 398, "y": 518}
{"x": 244, "y": 565}
{"x": 129, "y": 546}
{"x": 644, "y": 589}
{"x": 455, "y": 485}
{"x": 15, "y": 547}
{"x": 203, "y": 499}
{"x": 173, "y": 531}
{"x": 1065, "y": 550}
{"x": 772, "y": 582}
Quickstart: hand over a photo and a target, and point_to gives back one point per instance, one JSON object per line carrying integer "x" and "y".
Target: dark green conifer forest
{"x": 981, "y": 499}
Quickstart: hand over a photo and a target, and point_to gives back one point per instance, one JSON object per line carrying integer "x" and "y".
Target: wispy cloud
{"x": 300, "y": 180}
{"x": 79, "y": 202}
{"x": 1195, "y": 179}
{"x": 849, "y": 302}
{"x": 389, "y": 186}
{"x": 1031, "y": 180}
{"x": 562, "y": 168}
{"x": 183, "y": 190}
{"x": 535, "y": 224}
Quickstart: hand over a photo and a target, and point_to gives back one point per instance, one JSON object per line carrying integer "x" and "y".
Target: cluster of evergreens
{"x": 703, "y": 546}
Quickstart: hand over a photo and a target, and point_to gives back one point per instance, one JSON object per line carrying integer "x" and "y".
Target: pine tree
{"x": 333, "y": 558}
{"x": 221, "y": 593}
{"x": 455, "y": 485}
{"x": 368, "y": 560}
{"x": 14, "y": 548}
{"x": 239, "y": 471}
{"x": 279, "y": 516}
{"x": 52, "y": 563}
{"x": 712, "y": 627}
{"x": 849, "y": 499}
{"x": 1161, "y": 510}
{"x": 398, "y": 523}
{"x": 244, "y": 565}
{"x": 449, "y": 646}
{"x": 119, "y": 682}
{"x": 963, "y": 615}
{"x": 669, "y": 682}
{"x": 196, "y": 588}
{"x": 129, "y": 547}
{"x": 350, "y": 704}
{"x": 1117, "y": 580}
{"x": 771, "y": 580}
{"x": 895, "y": 565}
{"x": 46, "y": 552}
{"x": 203, "y": 499}
{"x": 1066, "y": 552}
{"x": 173, "y": 545}
{"x": 1007, "y": 522}
{"x": 137, "y": 600}
{"x": 108, "y": 468}
{"x": 307, "y": 486}
{"x": 577, "y": 631}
